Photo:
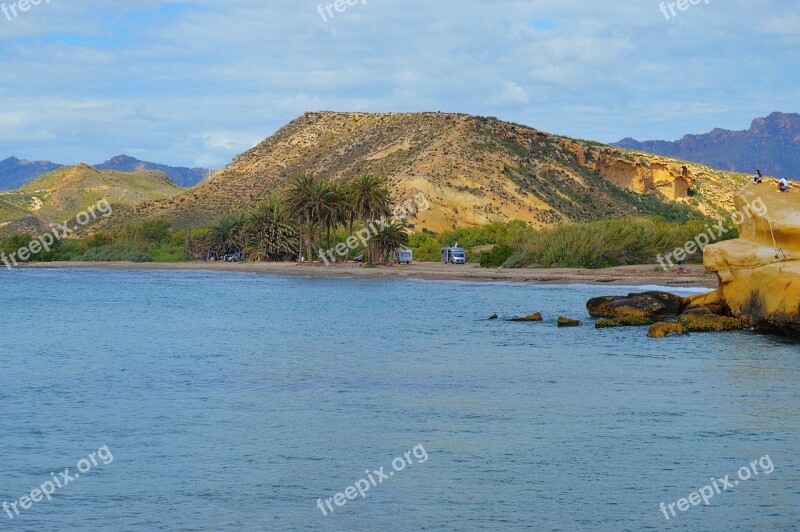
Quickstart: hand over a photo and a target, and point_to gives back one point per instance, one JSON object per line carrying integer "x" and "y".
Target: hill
{"x": 61, "y": 194}
{"x": 772, "y": 144}
{"x": 185, "y": 177}
{"x": 473, "y": 171}
{"x": 16, "y": 172}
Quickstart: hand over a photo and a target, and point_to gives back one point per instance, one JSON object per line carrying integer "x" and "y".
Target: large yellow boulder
{"x": 759, "y": 273}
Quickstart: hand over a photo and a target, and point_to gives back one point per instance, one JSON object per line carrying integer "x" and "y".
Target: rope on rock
{"x": 778, "y": 249}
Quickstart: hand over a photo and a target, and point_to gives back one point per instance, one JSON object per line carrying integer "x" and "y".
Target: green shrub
{"x": 496, "y": 257}
{"x": 152, "y": 230}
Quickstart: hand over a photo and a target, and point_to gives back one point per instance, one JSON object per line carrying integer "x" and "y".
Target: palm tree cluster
{"x": 281, "y": 227}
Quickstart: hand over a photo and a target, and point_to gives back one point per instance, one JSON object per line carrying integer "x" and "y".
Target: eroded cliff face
{"x": 646, "y": 175}
{"x": 759, "y": 273}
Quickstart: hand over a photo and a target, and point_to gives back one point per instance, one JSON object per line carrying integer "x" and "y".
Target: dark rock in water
{"x": 663, "y": 329}
{"x": 536, "y": 316}
{"x": 652, "y": 306}
{"x": 493, "y": 317}
{"x": 709, "y": 322}
{"x": 567, "y": 322}
{"x": 597, "y": 306}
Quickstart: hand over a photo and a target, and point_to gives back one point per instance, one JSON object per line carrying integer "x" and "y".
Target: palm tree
{"x": 318, "y": 202}
{"x": 269, "y": 232}
{"x": 370, "y": 199}
{"x": 390, "y": 237}
{"x": 226, "y": 234}
{"x": 349, "y": 214}
{"x": 334, "y": 210}
{"x": 301, "y": 199}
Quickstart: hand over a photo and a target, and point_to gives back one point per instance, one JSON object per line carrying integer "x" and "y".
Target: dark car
{"x": 359, "y": 259}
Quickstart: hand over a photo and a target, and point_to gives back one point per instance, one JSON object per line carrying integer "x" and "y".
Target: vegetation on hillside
{"x": 270, "y": 232}
{"x": 146, "y": 242}
{"x": 61, "y": 194}
{"x": 476, "y": 170}
{"x": 599, "y": 244}
{"x": 313, "y": 215}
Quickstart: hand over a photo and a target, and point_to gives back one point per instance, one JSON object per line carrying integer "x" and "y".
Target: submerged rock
{"x": 663, "y": 329}
{"x": 651, "y": 306}
{"x": 622, "y": 322}
{"x": 708, "y": 322}
{"x": 536, "y": 316}
{"x": 567, "y": 322}
{"x": 759, "y": 273}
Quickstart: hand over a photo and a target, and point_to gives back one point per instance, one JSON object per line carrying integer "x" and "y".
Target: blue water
{"x": 235, "y": 401}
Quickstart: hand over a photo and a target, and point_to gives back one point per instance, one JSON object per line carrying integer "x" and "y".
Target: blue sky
{"x": 195, "y": 82}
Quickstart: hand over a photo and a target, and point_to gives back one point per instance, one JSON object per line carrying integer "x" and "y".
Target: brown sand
{"x": 623, "y": 275}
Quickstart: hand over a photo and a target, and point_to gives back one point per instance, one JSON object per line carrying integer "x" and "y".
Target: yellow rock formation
{"x": 645, "y": 176}
{"x": 759, "y": 273}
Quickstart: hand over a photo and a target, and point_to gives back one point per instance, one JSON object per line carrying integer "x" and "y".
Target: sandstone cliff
{"x": 759, "y": 273}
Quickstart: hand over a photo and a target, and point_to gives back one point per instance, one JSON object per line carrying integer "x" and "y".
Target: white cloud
{"x": 509, "y": 93}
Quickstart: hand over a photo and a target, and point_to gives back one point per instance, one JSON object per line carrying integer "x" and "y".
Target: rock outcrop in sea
{"x": 759, "y": 273}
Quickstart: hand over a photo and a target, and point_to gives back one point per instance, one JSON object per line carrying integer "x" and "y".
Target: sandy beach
{"x": 623, "y": 275}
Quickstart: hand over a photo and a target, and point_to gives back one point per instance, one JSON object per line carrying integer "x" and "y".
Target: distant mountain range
{"x": 184, "y": 177}
{"x": 15, "y": 173}
{"x": 772, "y": 144}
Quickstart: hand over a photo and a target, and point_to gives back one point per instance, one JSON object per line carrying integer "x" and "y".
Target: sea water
{"x": 245, "y": 402}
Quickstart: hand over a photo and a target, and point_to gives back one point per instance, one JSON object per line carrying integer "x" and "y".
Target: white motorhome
{"x": 404, "y": 256}
{"x": 454, "y": 255}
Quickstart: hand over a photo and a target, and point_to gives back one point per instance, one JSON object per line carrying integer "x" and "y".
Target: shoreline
{"x": 641, "y": 275}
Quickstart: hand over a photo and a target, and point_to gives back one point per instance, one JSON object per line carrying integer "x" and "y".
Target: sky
{"x": 196, "y": 82}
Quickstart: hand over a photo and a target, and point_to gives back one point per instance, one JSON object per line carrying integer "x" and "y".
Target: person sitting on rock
{"x": 783, "y": 185}
{"x": 758, "y": 178}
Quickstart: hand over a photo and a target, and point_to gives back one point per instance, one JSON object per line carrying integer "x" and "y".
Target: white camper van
{"x": 404, "y": 256}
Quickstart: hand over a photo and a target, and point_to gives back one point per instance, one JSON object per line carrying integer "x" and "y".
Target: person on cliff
{"x": 783, "y": 185}
{"x": 758, "y": 178}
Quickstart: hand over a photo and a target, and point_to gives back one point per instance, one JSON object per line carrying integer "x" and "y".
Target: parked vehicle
{"x": 454, "y": 255}
{"x": 404, "y": 256}
{"x": 359, "y": 259}
{"x": 235, "y": 257}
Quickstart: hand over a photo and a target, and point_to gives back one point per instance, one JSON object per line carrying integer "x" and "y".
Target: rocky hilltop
{"x": 759, "y": 273}
{"x": 473, "y": 170}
